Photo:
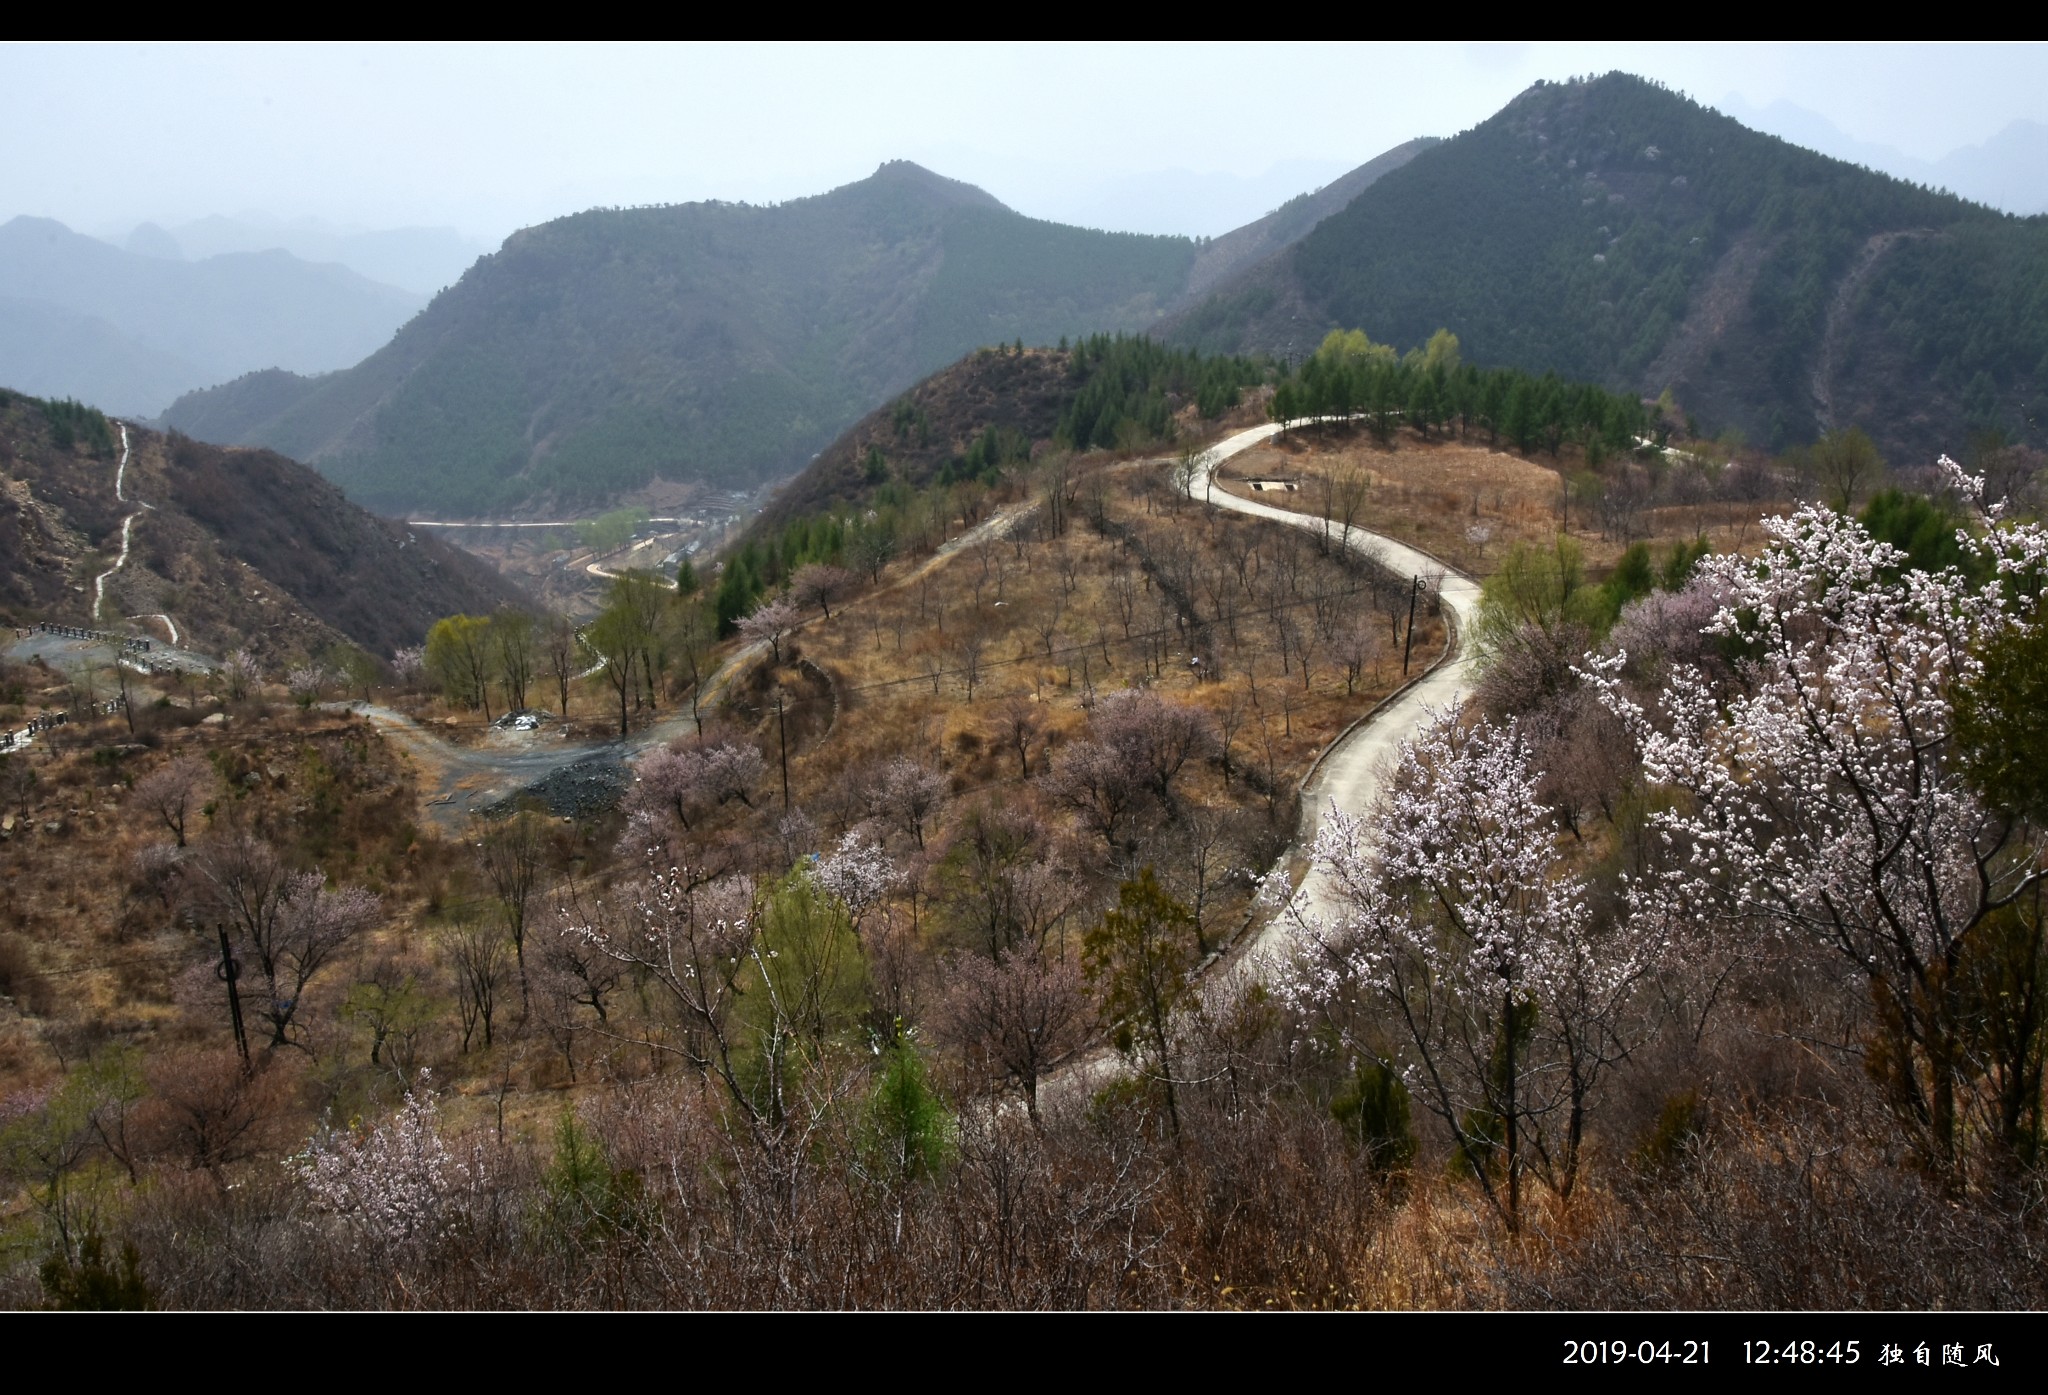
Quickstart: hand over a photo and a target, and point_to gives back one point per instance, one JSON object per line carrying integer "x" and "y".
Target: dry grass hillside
{"x": 984, "y": 669}
{"x": 1469, "y": 502}
{"x": 234, "y": 548}
{"x": 899, "y": 983}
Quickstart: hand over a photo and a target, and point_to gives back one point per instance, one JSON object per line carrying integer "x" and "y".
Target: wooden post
{"x": 227, "y": 973}
{"x": 1408, "y": 644}
{"x": 782, "y": 735}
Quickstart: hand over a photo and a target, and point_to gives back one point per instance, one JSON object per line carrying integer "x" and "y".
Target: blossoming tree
{"x": 1462, "y": 953}
{"x": 1823, "y": 795}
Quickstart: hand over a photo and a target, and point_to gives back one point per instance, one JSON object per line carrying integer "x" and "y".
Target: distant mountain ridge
{"x": 1613, "y": 231}
{"x": 130, "y": 332}
{"x": 419, "y": 261}
{"x": 1225, "y": 256}
{"x": 2008, "y": 170}
{"x": 717, "y": 341}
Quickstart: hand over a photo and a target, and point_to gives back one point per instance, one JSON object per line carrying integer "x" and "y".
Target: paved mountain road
{"x": 1350, "y": 771}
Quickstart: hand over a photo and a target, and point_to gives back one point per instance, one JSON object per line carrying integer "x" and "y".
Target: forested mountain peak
{"x": 911, "y": 177}
{"x": 714, "y": 341}
{"x": 1613, "y": 230}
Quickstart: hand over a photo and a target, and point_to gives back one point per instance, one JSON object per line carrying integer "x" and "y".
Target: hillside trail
{"x": 1840, "y": 309}
{"x": 1349, "y": 771}
{"x": 99, "y": 585}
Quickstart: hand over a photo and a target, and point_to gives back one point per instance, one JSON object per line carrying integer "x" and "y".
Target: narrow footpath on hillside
{"x": 99, "y": 585}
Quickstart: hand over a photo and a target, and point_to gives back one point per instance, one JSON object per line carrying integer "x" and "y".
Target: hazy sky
{"x": 488, "y": 138}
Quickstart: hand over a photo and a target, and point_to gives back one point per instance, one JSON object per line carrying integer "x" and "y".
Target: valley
{"x": 1471, "y": 744}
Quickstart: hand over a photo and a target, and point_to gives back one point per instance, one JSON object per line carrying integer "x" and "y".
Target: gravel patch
{"x": 580, "y": 791}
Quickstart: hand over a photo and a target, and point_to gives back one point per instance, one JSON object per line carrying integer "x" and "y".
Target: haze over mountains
{"x": 2009, "y": 171}
{"x": 419, "y": 260}
{"x": 129, "y": 332}
{"x": 1609, "y": 230}
{"x": 713, "y": 341}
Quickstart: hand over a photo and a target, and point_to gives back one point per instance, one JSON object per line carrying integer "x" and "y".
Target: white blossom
{"x": 395, "y": 1184}
{"x": 859, "y": 873}
{"x": 1822, "y": 796}
{"x": 1460, "y": 935}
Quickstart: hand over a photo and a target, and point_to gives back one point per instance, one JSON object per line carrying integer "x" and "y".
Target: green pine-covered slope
{"x": 1614, "y": 231}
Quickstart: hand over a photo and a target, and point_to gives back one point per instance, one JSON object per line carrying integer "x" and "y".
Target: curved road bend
{"x": 1351, "y": 769}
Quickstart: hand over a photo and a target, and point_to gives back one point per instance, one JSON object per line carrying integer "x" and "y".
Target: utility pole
{"x": 228, "y": 971}
{"x": 782, "y": 735}
{"x": 1408, "y": 645}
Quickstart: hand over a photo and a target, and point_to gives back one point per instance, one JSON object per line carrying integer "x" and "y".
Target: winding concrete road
{"x": 1350, "y": 771}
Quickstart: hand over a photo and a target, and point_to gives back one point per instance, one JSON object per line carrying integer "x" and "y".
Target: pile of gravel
{"x": 580, "y": 791}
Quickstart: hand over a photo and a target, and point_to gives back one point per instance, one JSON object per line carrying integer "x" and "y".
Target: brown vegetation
{"x": 1470, "y": 503}
{"x": 955, "y": 1057}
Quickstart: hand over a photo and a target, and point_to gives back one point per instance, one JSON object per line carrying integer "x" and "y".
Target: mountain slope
{"x": 1613, "y": 231}
{"x": 236, "y": 546}
{"x": 714, "y": 341}
{"x": 141, "y": 329}
{"x": 1228, "y": 255}
{"x": 50, "y": 351}
{"x": 704, "y": 341}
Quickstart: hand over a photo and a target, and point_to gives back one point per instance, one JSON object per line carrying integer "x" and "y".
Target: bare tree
{"x": 1230, "y": 718}
{"x": 970, "y": 650}
{"x": 1068, "y": 563}
{"x": 693, "y": 650}
{"x": 1046, "y": 621}
{"x": 207, "y": 1113}
{"x": 1358, "y": 644}
{"x": 172, "y": 792}
{"x": 1123, "y": 594}
{"x": 476, "y": 953}
{"x": 511, "y": 854}
{"x": 820, "y": 584}
{"x": 1306, "y": 638}
{"x": 871, "y": 549}
{"x": 1187, "y": 468}
{"x": 562, "y": 651}
{"x": 1197, "y": 862}
{"x": 1014, "y": 1016}
{"x": 1018, "y": 728}
{"x": 1056, "y": 475}
{"x": 1347, "y": 496}
{"x": 1098, "y": 784}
